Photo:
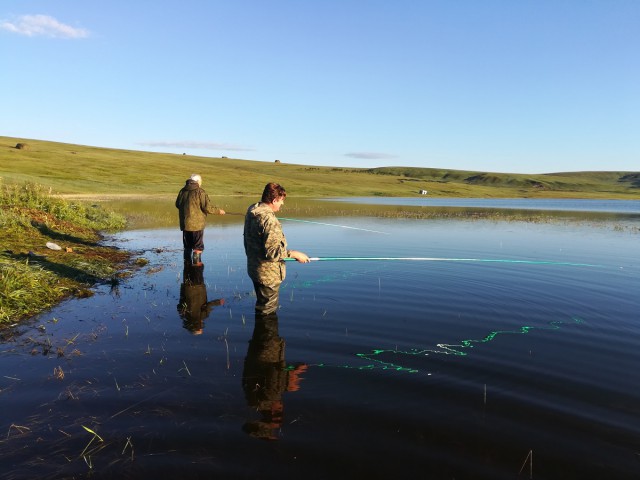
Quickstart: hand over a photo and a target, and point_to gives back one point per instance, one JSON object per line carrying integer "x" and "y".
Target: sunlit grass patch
{"x": 38, "y": 203}
{"x": 50, "y": 249}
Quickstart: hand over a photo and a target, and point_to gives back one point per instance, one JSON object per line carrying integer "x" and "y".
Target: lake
{"x": 548, "y": 204}
{"x": 471, "y": 349}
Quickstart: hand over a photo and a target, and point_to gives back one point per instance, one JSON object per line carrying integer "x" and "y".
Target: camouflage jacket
{"x": 265, "y": 246}
{"x": 193, "y": 205}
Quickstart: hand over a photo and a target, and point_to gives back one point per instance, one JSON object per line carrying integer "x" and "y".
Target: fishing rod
{"x": 418, "y": 259}
{"x": 441, "y": 259}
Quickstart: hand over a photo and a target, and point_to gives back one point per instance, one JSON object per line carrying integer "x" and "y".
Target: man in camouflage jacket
{"x": 193, "y": 205}
{"x": 266, "y": 248}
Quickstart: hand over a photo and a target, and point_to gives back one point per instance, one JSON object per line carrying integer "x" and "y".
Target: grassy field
{"x": 76, "y": 169}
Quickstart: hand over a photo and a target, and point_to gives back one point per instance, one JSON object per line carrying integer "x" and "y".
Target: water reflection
{"x": 194, "y": 307}
{"x": 266, "y": 377}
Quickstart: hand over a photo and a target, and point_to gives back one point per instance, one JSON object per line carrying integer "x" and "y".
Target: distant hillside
{"x": 78, "y": 169}
{"x": 584, "y": 182}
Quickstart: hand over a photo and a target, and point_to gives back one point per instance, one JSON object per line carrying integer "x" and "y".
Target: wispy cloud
{"x": 197, "y": 145}
{"x": 370, "y": 155}
{"x": 42, "y": 26}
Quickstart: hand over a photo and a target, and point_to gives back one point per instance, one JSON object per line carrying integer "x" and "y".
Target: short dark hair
{"x": 272, "y": 192}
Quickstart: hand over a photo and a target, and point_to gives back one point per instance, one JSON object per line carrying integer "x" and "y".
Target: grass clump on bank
{"x": 34, "y": 273}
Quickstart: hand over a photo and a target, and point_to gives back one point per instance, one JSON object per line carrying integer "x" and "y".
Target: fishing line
{"x": 457, "y": 349}
{"x": 440, "y": 259}
{"x": 332, "y": 225}
{"x": 321, "y": 223}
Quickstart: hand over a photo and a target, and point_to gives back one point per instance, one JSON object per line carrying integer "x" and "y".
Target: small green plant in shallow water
{"x": 50, "y": 249}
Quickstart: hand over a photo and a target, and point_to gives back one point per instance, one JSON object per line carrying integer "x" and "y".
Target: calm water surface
{"x": 372, "y": 369}
{"x": 562, "y": 204}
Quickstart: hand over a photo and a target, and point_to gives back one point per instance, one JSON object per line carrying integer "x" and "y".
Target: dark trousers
{"x": 266, "y": 298}
{"x": 193, "y": 240}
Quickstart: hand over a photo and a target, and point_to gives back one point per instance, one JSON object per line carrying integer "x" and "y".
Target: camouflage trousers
{"x": 266, "y": 298}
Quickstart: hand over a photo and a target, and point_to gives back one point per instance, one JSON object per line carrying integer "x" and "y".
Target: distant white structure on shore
{"x": 423, "y": 192}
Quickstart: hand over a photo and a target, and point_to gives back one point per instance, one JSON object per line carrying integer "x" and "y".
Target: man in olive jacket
{"x": 193, "y": 205}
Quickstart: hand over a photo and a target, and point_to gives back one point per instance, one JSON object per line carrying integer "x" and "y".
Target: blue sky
{"x": 505, "y": 86}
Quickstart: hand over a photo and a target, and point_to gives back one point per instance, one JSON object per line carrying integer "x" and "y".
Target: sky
{"x": 520, "y": 86}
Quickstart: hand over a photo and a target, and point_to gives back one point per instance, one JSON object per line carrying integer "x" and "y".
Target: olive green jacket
{"x": 265, "y": 246}
{"x": 193, "y": 205}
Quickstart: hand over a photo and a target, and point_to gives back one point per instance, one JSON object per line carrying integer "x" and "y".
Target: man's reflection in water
{"x": 194, "y": 307}
{"x": 266, "y": 377}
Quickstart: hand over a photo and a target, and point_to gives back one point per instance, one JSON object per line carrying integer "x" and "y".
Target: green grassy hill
{"x": 76, "y": 169}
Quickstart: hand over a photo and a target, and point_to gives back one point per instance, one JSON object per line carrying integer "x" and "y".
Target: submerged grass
{"x": 33, "y": 276}
{"x": 160, "y": 212}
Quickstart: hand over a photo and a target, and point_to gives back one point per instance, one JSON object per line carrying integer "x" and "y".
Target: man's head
{"x": 274, "y": 196}
{"x": 196, "y": 178}
{"x": 273, "y": 192}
